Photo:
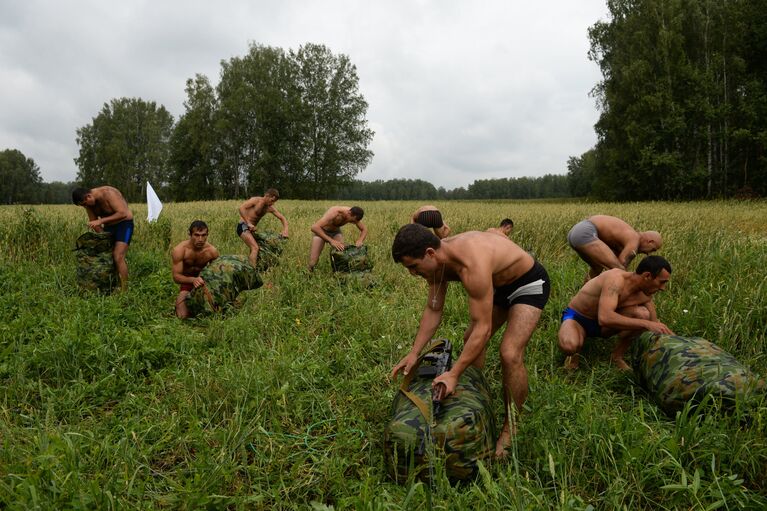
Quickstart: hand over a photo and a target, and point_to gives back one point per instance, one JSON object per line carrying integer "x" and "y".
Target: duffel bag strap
{"x": 417, "y": 401}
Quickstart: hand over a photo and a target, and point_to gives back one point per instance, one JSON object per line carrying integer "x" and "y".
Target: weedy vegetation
{"x": 110, "y": 402}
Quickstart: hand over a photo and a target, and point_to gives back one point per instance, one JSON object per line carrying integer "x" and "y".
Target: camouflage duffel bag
{"x": 225, "y": 278}
{"x": 96, "y": 269}
{"x": 676, "y": 370}
{"x": 270, "y": 245}
{"x": 462, "y": 434}
{"x": 352, "y": 258}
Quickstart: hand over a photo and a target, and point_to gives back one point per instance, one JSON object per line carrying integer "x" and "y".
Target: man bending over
{"x": 606, "y": 242}
{"x": 616, "y": 302}
{"x": 251, "y": 212}
{"x": 108, "y": 211}
{"x": 505, "y": 286}
{"x": 328, "y": 230}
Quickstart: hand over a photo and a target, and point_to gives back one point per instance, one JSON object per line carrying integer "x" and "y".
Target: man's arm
{"x": 629, "y": 251}
{"x": 363, "y": 233}
{"x": 609, "y": 317}
{"x": 177, "y": 257}
{"x": 430, "y": 320}
{"x": 480, "y": 290}
{"x": 282, "y": 219}
{"x": 92, "y": 220}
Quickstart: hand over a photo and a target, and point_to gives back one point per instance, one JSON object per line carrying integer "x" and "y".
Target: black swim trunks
{"x": 431, "y": 219}
{"x": 242, "y": 227}
{"x": 532, "y": 288}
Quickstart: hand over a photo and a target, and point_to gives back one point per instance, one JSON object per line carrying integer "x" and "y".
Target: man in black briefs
{"x": 430, "y": 217}
{"x": 505, "y": 286}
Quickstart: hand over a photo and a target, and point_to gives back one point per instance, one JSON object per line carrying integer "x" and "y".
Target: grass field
{"x": 110, "y": 402}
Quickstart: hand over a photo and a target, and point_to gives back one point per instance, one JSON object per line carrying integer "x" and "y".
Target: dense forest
{"x": 682, "y": 100}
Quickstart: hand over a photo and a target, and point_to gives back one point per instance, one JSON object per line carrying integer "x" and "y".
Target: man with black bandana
{"x": 430, "y": 217}
{"x": 505, "y": 286}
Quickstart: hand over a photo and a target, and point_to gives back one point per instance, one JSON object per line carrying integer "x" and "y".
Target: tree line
{"x": 683, "y": 101}
{"x": 548, "y": 186}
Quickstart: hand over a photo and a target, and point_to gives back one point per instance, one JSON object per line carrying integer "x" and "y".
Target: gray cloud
{"x": 457, "y": 90}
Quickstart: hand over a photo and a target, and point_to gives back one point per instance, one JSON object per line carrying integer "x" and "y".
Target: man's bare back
{"x": 475, "y": 251}
{"x": 107, "y": 201}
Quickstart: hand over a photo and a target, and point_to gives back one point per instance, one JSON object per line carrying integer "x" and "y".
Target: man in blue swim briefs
{"x": 505, "y": 286}
{"x": 615, "y": 302}
{"x": 605, "y": 242}
{"x": 108, "y": 211}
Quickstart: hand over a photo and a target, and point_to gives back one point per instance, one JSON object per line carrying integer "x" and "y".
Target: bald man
{"x": 606, "y": 242}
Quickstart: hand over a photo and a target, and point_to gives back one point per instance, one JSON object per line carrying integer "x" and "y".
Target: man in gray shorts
{"x": 606, "y": 242}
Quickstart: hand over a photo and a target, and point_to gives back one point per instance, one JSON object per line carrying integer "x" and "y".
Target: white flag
{"x": 154, "y": 206}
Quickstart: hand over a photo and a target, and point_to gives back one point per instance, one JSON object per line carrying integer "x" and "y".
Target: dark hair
{"x": 357, "y": 212}
{"x": 273, "y": 192}
{"x": 507, "y": 221}
{"x": 197, "y": 225}
{"x": 78, "y": 195}
{"x": 654, "y": 264}
{"x": 412, "y": 240}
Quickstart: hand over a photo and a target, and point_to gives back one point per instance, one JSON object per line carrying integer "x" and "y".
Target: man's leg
{"x": 118, "y": 255}
{"x": 626, "y": 337}
{"x": 250, "y": 241}
{"x": 522, "y": 319}
{"x": 182, "y": 311}
{"x": 314, "y": 252}
{"x": 571, "y": 337}
{"x": 598, "y": 256}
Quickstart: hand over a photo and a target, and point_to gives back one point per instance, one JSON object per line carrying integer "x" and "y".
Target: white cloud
{"x": 457, "y": 90}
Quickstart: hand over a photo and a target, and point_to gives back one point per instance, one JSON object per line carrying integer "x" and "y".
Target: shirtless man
{"x": 615, "y": 302}
{"x": 606, "y": 242}
{"x": 328, "y": 230}
{"x": 189, "y": 258}
{"x": 108, "y": 211}
{"x": 505, "y": 286}
{"x": 430, "y": 217}
{"x": 251, "y": 212}
{"x": 507, "y": 225}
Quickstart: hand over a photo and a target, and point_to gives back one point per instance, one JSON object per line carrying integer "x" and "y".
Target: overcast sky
{"x": 457, "y": 90}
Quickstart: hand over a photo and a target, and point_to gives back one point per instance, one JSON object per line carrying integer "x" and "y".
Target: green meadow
{"x": 111, "y": 402}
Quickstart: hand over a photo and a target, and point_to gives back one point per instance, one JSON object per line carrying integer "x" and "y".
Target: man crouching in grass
{"x": 189, "y": 258}
{"x": 616, "y": 302}
{"x": 505, "y": 286}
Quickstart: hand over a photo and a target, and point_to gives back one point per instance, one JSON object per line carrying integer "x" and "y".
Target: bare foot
{"x": 504, "y": 441}
{"x": 572, "y": 362}
{"x": 620, "y": 363}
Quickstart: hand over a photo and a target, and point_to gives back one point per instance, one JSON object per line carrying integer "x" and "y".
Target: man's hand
{"x": 198, "y": 282}
{"x": 404, "y": 365}
{"x": 359, "y": 243}
{"x": 252, "y": 228}
{"x": 448, "y": 380}
{"x": 284, "y": 234}
{"x": 95, "y": 224}
{"x": 657, "y": 327}
{"x": 338, "y": 245}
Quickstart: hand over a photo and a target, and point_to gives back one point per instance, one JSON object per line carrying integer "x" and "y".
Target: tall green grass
{"x": 110, "y": 402}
